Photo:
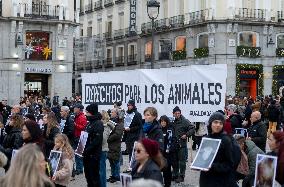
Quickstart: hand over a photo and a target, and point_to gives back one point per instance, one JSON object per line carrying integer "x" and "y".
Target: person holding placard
{"x": 93, "y": 147}
{"x": 63, "y": 174}
{"x": 276, "y": 144}
{"x": 221, "y": 173}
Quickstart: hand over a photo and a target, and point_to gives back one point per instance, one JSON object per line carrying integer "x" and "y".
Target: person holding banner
{"x": 93, "y": 147}
{"x": 132, "y": 126}
{"x": 149, "y": 161}
{"x": 276, "y": 144}
{"x": 221, "y": 173}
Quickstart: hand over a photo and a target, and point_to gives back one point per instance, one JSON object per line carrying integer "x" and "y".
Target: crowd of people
{"x": 156, "y": 144}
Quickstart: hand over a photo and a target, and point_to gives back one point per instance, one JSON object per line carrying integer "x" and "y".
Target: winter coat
{"x": 257, "y": 133}
{"x": 149, "y": 171}
{"x": 49, "y": 140}
{"x": 155, "y": 133}
{"x": 183, "y": 127}
{"x": 252, "y": 150}
{"x": 221, "y": 173}
{"x": 273, "y": 113}
{"x": 135, "y": 127}
{"x": 64, "y": 171}
{"x": 80, "y": 123}
{"x": 68, "y": 129}
{"x": 107, "y": 129}
{"x": 114, "y": 142}
{"x": 13, "y": 140}
{"x": 95, "y": 130}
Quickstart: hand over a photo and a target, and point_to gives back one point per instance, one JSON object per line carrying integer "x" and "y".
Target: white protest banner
{"x": 198, "y": 90}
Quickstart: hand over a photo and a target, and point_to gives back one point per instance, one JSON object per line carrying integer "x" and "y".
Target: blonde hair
{"x": 26, "y": 166}
{"x": 51, "y": 122}
{"x": 105, "y": 116}
{"x": 153, "y": 111}
{"x": 66, "y": 145}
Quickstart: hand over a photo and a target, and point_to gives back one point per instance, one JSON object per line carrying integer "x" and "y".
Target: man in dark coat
{"x": 132, "y": 126}
{"x": 182, "y": 130}
{"x": 93, "y": 147}
{"x": 257, "y": 131}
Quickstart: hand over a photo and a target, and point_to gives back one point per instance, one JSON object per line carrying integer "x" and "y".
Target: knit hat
{"x": 176, "y": 109}
{"x": 216, "y": 116}
{"x": 92, "y": 108}
{"x": 34, "y": 130}
{"x": 131, "y": 102}
{"x": 151, "y": 146}
{"x": 78, "y": 105}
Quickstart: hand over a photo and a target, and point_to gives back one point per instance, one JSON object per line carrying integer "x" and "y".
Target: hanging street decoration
{"x": 38, "y": 49}
{"x": 29, "y": 50}
{"x": 46, "y": 52}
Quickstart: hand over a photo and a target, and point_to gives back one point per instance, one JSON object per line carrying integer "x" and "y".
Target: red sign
{"x": 248, "y": 72}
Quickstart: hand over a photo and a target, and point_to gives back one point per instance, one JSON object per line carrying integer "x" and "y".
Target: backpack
{"x": 236, "y": 152}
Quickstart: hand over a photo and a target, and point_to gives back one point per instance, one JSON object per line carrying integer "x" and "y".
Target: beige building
{"x": 36, "y": 39}
{"x": 248, "y": 35}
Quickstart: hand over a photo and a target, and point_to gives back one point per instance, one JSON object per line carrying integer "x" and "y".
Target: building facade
{"x": 36, "y": 39}
{"x": 247, "y": 35}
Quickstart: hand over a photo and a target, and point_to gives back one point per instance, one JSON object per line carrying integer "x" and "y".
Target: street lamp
{"x": 153, "y": 8}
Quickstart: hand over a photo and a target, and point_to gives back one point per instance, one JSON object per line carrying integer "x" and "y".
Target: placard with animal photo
{"x": 241, "y": 131}
{"x": 54, "y": 159}
{"x": 206, "y": 154}
{"x": 265, "y": 171}
{"x": 125, "y": 179}
{"x": 82, "y": 143}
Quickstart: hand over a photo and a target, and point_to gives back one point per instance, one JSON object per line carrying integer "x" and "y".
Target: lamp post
{"x": 153, "y": 8}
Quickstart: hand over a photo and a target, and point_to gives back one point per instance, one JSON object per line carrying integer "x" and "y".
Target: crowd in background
{"x": 160, "y": 142}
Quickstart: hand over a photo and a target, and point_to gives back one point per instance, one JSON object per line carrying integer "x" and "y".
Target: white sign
{"x": 232, "y": 42}
{"x": 38, "y": 70}
{"x": 197, "y": 90}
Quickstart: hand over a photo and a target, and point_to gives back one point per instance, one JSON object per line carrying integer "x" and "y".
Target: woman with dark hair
{"x": 276, "y": 144}
{"x": 149, "y": 161}
{"x": 13, "y": 139}
{"x": 32, "y": 133}
{"x": 30, "y": 116}
{"x": 221, "y": 173}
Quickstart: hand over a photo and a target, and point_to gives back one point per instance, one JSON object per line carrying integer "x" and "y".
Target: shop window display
{"x": 38, "y": 46}
{"x": 248, "y": 39}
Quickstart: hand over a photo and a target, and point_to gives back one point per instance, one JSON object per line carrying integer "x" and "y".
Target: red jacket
{"x": 80, "y": 124}
{"x": 227, "y": 127}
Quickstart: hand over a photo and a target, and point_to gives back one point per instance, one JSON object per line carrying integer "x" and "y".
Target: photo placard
{"x": 82, "y": 143}
{"x": 206, "y": 154}
{"x": 54, "y": 159}
{"x": 241, "y": 131}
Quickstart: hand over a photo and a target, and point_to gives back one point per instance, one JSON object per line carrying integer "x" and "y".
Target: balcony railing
{"x": 146, "y": 27}
{"x": 164, "y": 55}
{"x": 132, "y": 59}
{"x": 98, "y": 5}
{"x": 108, "y": 3}
{"x": 89, "y": 8}
{"x": 88, "y": 66}
{"x": 41, "y": 10}
{"x": 107, "y": 36}
{"x": 119, "y": 61}
{"x": 177, "y": 21}
{"x": 119, "y": 1}
{"x": 148, "y": 57}
{"x": 98, "y": 64}
{"x": 162, "y": 24}
{"x": 80, "y": 66}
{"x": 250, "y": 14}
{"x": 198, "y": 16}
{"x": 119, "y": 34}
{"x": 108, "y": 63}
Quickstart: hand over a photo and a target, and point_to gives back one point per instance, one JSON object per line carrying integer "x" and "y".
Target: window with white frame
{"x": 132, "y": 49}
{"x": 180, "y": 43}
{"x": 202, "y": 40}
{"x": 248, "y": 39}
{"x": 280, "y": 40}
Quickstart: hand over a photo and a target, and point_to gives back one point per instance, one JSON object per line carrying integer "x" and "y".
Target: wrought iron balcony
{"x": 119, "y": 1}
{"x": 119, "y": 61}
{"x": 108, "y": 3}
{"x": 146, "y": 27}
{"x": 108, "y": 63}
{"x": 98, "y": 5}
{"x": 164, "y": 55}
{"x": 89, "y": 8}
{"x": 198, "y": 16}
{"x": 98, "y": 64}
{"x": 108, "y": 36}
{"x": 132, "y": 59}
{"x": 177, "y": 21}
{"x": 41, "y": 10}
{"x": 250, "y": 14}
{"x": 162, "y": 24}
{"x": 118, "y": 34}
{"x": 148, "y": 57}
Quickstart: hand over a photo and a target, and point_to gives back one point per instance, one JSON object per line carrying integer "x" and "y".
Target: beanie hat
{"x": 34, "y": 130}
{"x": 216, "y": 116}
{"x": 176, "y": 109}
{"x": 151, "y": 146}
{"x": 92, "y": 108}
{"x": 131, "y": 102}
{"x": 78, "y": 105}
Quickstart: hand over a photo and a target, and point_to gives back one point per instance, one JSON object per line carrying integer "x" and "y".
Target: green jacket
{"x": 182, "y": 127}
{"x": 252, "y": 150}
